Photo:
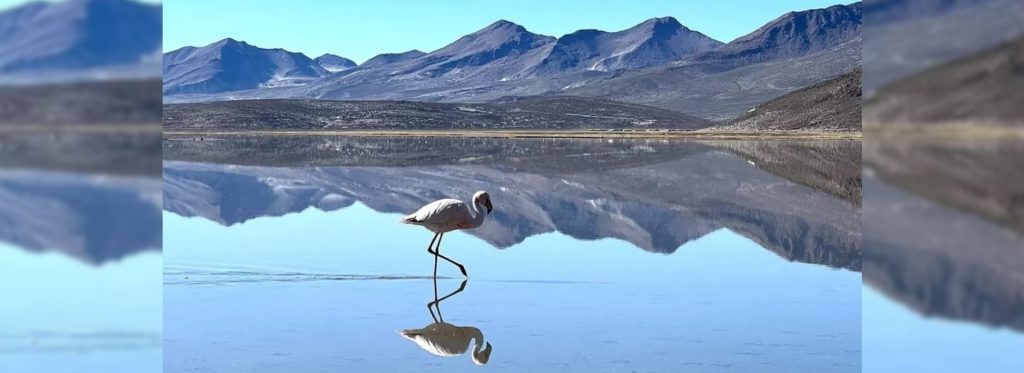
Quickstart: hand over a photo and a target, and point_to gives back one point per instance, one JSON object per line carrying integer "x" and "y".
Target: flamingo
{"x": 446, "y": 215}
{"x": 443, "y": 339}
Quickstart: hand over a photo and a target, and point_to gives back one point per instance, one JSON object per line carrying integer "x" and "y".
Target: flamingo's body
{"x": 444, "y": 339}
{"x": 446, "y": 215}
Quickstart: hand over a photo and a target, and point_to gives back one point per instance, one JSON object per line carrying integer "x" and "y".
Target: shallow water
{"x": 635, "y": 255}
{"x": 943, "y": 255}
{"x": 80, "y": 272}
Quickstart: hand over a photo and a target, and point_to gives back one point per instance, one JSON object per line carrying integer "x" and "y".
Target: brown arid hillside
{"x": 983, "y": 89}
{"x": 831, "y": 105}
{"x": 555, "y": 112}
{"x": 121, "y": 102}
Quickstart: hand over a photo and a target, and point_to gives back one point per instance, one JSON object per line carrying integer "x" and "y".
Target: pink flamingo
{"x": 447, "y": 215}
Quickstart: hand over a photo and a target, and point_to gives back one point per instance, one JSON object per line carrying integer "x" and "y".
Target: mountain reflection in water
{"x": 80, "y": 249}
{"x": 943, "y": 228}
{"x": 94, "y": 197}
{"x": 93, "y": 218}
{"x": 655, "y": 194}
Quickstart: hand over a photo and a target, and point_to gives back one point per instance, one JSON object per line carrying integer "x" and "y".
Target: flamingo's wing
{"x": 440, "y": 339}
{"x": 438, "y": 212}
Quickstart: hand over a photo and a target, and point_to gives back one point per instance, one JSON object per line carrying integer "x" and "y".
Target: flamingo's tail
{"x": 408, "y": 219}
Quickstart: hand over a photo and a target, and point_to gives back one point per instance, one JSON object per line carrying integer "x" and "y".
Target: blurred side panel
{"x": 80, "y": 189}
{"x": 943, "y": 216}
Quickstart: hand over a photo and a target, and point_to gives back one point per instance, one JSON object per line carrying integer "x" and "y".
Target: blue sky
{"x": 362, "y": 29}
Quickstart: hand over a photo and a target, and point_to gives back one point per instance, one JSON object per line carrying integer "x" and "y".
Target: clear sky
{"x": 361, "y": 29}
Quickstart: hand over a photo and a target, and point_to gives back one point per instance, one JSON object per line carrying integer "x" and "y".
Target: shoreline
{"x": 526, "y": 133}
{"x": 944, "y": 131}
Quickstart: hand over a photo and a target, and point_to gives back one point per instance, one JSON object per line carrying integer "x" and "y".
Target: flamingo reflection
{"x": 443, "y": 339}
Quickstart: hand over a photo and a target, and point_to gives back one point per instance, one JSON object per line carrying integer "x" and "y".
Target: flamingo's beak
{"x": 487, "y": 204}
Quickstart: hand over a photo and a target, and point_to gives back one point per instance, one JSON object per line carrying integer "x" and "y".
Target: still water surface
{"x": 629, "y": 255}
{"x": 943, "y": 254}
{"x": 80, "y": 269}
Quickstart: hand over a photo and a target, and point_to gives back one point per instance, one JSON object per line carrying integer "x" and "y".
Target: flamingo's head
{"x": 481, "y": 198}
{"x": 481, "y": 356}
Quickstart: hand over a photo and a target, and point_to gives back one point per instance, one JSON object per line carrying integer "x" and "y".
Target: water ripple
{"x": 42, "y": 342}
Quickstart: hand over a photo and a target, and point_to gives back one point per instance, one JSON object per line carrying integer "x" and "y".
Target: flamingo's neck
{"x": 482, "y": 350}
{"x": 478, "y": 215}
{"x": 478, "y": 336}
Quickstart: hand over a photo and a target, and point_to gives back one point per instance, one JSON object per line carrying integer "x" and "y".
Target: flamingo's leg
{"x": 438, "y": 254}
{"x": 430, "y": 305}
{"x": 437, "y": 302}
{"x": 435, "y": 259}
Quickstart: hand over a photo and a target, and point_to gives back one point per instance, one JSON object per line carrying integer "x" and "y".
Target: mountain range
{"x": 388, "y": 58}
{"x": 791, "y": 52}
{"x": 79, "y": 39}
{"x": 658, "y": 62}
{"x": 792, "y": 34}
{"x": 334, "y": 63}
{"x": 654, "y": 42}
{"x": 230, "y": 65}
